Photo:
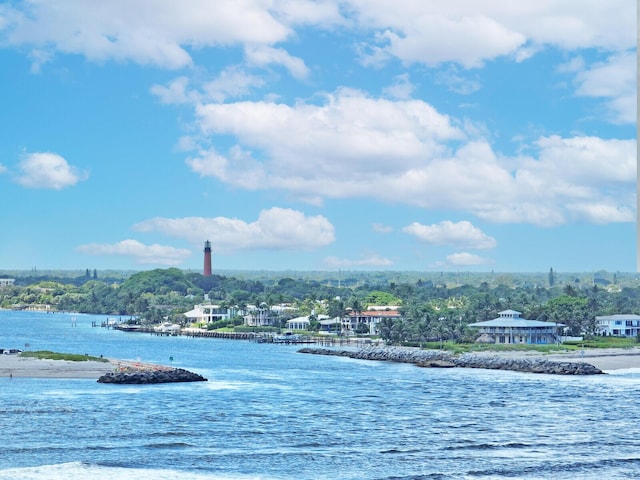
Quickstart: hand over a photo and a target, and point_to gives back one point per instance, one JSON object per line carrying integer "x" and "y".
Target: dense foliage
{"x": 431, "y": 309}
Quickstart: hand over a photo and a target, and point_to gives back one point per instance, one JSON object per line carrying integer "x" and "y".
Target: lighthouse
{"x": 207, "y": 259}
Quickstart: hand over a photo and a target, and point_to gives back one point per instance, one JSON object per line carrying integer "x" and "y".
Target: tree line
{"x": 429, "y": 310}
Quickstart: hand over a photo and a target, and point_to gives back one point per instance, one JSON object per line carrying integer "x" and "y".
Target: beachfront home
{"x": 619, "y": 325}
{"x": 510, "y": 327}
{"x": 302, "y": 323}
{"x": 208, "y": 313}
{"x": 371, "y": 317}
{"x": 260, "y": 316}
{"x": 330, "y": 326}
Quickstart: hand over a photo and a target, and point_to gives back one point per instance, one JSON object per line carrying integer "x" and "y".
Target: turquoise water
{"x": 268, "y": 412}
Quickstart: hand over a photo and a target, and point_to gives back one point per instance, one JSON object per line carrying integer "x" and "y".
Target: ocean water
{"x": 268, "y": 412}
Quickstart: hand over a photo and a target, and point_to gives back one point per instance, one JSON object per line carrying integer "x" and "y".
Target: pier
{"x": 258, "y": 337}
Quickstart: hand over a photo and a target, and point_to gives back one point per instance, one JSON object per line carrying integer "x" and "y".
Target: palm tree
{"x": 336, "y": 309}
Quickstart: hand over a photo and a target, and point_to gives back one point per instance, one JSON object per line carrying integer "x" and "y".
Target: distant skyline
{"x": 319, "y": 135}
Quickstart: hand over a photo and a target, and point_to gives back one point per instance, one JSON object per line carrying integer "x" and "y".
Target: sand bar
{"x": 14, "y": 366}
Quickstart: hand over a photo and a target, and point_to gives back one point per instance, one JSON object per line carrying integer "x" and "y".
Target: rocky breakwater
{"x": 440, "y": 359}
{"x": 143, "y": 377}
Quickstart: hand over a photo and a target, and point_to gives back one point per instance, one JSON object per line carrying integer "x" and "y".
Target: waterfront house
{"x": 510, "y": 327}
{"x": 330, "y": 325}
{"x": 260, "y": 316}
{"x": 208, "y": 313}
{"x": 302, "y": 323}
{"x": 371, "y": 317}
{"x": 619, "y": 325}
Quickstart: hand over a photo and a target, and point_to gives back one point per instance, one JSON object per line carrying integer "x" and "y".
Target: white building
{"x": 7, "y": 282}
{"x": 510, "y": 327}
{"x": 259, "y": 316}
{"x": 302, "y": 323}
{"x": 619, "y": 325}
{"x": 371, "y": 317}
{"x": 208, "y": 313}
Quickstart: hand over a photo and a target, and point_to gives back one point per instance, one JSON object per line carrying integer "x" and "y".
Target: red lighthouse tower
{"x": 207, "y": 259}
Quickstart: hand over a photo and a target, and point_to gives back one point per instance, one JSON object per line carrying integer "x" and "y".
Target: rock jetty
{"x": 439, "y": 359}
{"x": 143, "y": 377}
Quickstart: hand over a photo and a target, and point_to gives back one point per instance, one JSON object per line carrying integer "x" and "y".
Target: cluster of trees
{"x": 430, "y": 310}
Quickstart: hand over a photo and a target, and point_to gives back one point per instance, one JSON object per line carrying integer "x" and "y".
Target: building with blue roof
{"x": 511, "y": 328}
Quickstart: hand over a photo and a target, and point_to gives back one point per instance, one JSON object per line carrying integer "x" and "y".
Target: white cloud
{"x": 380, "y": 228}
{"x": 464, "y": 259}
{"x": 458, "y": 83}
{"x": 175, "y": 92}
{"x": 575, "y": 64}
{"x": 275, "y": 229}
{"x": 348, "y": 139}
{"x": 39, "y": 57}
{"x": 588, "y": 160}
{"x": 163, "y": 33}
{"x": 47, "y": 170}
{"x": 581, "y": 179}
{"x": 603, "y": 212}
{"x": 325, "y": 13}
{"x": 263, "y": 55}
{"x": 614, "y": 80}
{"x": 371, "y": 260}
{"x": 401, "y": 89}
{"x": 470, "y": 40}
{"x": 142, "y": 254}
{"x": 469, "y": 34}
{"x": 355, "y": 146}
{"x": 158, "y": 33}
{"x": 459, "y": 234}
{"x": 232, "y": 82}
{"x": 3, "y": 169}
{"x": 187, "y": 143}
{"x": 238, "y": 168}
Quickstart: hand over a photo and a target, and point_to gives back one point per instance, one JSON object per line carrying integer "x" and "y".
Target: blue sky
{"x": 318, "y": 135}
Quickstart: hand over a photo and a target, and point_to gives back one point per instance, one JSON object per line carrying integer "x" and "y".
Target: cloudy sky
{"x": 318, "y": 135}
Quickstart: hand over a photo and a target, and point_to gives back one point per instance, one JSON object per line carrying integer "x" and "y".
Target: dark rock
{"x": 144, "y": 377}
{"x": 436, "y": 364}
{"x": 440, "y": 359}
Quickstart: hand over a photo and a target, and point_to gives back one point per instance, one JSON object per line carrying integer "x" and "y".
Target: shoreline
{"x": 605, "y": 359}
{"x": 14, "y": 366}
{"x": 587, "y": 362}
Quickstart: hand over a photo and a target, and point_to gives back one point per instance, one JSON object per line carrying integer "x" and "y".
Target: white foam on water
{"x": 230, "y": 385}
{"x": 77, "y": 393}
{"x": 624, "y": 372}
{"x": 64, "y": 471}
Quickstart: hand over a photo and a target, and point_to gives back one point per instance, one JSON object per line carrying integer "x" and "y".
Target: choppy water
{"x": 268, "y": 412}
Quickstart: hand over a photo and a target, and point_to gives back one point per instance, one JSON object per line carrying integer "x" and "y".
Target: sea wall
{"x": 142, "y": 377}
{"x": 440, "y": 359}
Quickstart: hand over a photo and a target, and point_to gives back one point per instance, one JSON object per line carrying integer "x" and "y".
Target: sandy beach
{"x": 606, "y": 359}
{"x": 14, "y": 366}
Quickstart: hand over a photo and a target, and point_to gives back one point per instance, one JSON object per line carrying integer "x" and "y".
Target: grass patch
{"x": 72, "y": 357}
{"x": 605, "y": 342}
{"x": 590, "y": 342}
{"x": 511, "y": 347}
